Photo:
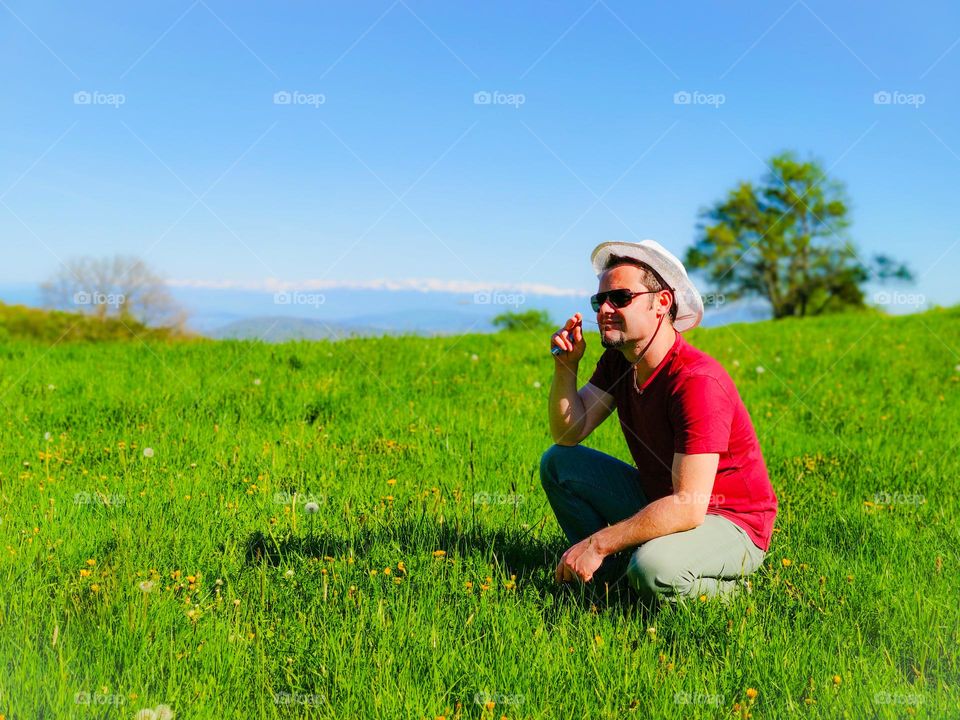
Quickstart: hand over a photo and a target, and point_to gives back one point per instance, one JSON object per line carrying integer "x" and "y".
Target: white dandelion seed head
{"x": 148, "y": 452}
{"x": 257, "y": 381}
{"x": 51, "y": 387}
{"x": 311, "y": 507}
{"x": 957, "y": 368}
{"x": 163, "y": 712}
{"x": 47, "y": 436}
{"x": 146, "y": 586}
{"x": 761, "y": 369}
{"x": 146, "y": 714}
{"x": 536, "y": 383}
{"x": 288, "y": 574}
{"x": 736, "y": 363}
{"x": 474, "y": 357}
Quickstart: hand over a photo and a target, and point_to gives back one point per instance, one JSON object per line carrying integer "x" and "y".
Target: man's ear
{"x": 666, "y": 310}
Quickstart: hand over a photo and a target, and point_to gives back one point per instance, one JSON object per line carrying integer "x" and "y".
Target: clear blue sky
{"x": 500, "y": 193}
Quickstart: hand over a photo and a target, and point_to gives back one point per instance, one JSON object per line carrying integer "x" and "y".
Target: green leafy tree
{"x": 537, "y": 320}
{"x": 784, "y": 239}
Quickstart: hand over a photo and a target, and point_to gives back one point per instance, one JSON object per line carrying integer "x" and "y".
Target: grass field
{"x": 157, "y": 548}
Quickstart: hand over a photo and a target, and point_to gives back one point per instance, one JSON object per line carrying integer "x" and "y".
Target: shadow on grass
{"x": 513, "y": 551}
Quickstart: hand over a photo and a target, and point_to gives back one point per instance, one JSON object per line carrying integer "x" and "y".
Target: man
{"x": 696, "y": 513}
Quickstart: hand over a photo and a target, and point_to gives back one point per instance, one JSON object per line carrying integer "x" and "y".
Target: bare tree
{"x": 120, "y": 287}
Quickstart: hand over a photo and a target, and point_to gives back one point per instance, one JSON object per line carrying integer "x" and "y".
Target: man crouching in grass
{"x": 695, "y": 515}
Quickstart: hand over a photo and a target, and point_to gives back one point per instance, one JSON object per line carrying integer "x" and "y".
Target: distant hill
{"x": 282, "y": 328}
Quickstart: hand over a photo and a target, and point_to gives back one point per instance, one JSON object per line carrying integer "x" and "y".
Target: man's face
{"x": 631, "y": 324}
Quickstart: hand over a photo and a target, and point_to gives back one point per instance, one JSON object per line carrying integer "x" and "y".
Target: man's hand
{"x": 570, "y": 340}
{"x": 579, "y": 562}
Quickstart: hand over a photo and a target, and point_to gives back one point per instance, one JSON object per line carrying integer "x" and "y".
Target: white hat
{"x": 667, "y": 266}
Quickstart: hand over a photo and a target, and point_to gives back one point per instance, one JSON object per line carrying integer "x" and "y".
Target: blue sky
{"x": 383, "y": 166}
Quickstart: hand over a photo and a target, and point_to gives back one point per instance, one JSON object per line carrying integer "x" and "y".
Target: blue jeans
{"x": 589, "y": 490}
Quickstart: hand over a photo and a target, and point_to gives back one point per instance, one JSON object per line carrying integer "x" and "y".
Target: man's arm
{"x": 574, "y": 415}
{"x": 685, "y": 509}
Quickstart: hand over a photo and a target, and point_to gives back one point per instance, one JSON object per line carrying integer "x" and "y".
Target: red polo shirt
{"x": 690, "y": 405}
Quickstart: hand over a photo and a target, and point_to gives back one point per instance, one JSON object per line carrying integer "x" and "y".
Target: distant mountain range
{"x": 334, "y": 314}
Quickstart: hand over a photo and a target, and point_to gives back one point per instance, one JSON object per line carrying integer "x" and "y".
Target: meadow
{"x": 357, "y": 529}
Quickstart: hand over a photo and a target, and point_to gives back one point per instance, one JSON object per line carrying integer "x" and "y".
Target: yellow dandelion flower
{"x": 439, "y": 553}
{"x": 95, "y": 588}
{"x": 752, "y": 693}
{"x": 786, "y": 562}
{"x": 837, "y": 679}
{"x": 386, "y": 571}
{"x": 91, "y": 562}
{"x": 84, "y": 573}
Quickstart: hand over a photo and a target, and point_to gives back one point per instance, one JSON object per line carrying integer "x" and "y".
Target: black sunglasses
{"x": 619, "y": 298}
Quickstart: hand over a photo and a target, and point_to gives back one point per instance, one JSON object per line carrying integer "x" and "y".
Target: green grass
{"x": 292, "y": 615}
